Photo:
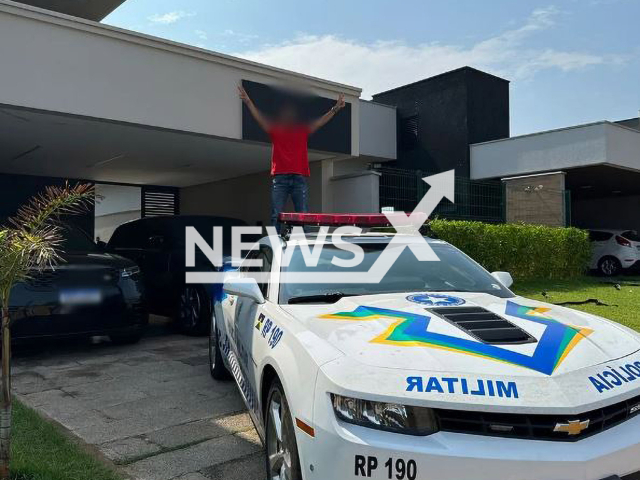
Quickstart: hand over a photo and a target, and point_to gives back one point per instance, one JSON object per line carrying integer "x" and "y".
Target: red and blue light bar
{"x": 336, "y": 219}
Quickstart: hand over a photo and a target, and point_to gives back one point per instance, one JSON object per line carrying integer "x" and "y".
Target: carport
{"x": 93, "y": 102}
{"x": 587, "y": 176}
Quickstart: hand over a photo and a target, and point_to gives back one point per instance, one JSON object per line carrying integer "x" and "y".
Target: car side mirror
{"x": 102, "y": 245}
{"x": 243, "y": 287}
{"x": 504, "y": 278}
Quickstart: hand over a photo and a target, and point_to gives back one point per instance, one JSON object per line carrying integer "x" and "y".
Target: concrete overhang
{"x": 94, "y": 10}
{"x": 602, "y": 144}
{"x": 68, "y": 146}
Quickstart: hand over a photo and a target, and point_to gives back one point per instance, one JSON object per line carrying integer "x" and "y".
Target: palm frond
{"x": 32, "y": 241}
{"x": 46, "y": 207}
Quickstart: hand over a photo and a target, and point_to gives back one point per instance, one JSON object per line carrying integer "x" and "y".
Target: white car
{"x": 438, "y": 372}
{"x": 614, "y": 251}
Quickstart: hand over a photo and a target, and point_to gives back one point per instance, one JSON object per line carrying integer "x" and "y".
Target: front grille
{"x": 49, "y": 279}
{"x": 484, "y": 325}
{"x": 536, "y": 427}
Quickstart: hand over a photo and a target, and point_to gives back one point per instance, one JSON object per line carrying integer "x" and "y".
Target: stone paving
{"x": 151, "y": 408}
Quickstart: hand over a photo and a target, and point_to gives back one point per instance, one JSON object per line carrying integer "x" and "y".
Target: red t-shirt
{"x": 289, "y": 154}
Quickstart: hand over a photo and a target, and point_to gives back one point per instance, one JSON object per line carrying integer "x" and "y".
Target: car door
{"x": 249, "y": 320}
{"x": 599, "y": 245}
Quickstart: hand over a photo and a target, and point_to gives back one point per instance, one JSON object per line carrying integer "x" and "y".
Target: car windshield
{"x": 631, "y": 235}
{"x": 455, "y": 272}
{"x": 75, "y": 240}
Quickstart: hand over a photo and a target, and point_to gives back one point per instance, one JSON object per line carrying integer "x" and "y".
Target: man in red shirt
{"x": 289, "y": 157}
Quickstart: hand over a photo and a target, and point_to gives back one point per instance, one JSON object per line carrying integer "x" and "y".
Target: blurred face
{"x": 288, "y": 115}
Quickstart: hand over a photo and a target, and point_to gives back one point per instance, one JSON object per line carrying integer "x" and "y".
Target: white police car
{"x": 436, "y": 372}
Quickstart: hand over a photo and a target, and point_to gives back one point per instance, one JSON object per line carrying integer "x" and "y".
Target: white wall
{"x": 68, "y": 65}
{"x": 547, "y": 151}
{"x": 117, "y": 204}
{"x": 595, "y": 144}
{"x": 117, "y": 198}
{"x": 356, "y": 193}
{"x": 378, "y": 130}
{"x": 623, "y": 146}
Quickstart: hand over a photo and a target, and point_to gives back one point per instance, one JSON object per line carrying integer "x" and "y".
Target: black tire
{"x": 125, "y": 338}
{"x": 193, "y": 311}
{"x": 282, "y": 453}
{"x": 216, "y": 364}
{"x": 609, "y": 266}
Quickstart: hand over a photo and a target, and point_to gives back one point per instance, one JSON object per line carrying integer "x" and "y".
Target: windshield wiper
{"x": 330, "y": 297}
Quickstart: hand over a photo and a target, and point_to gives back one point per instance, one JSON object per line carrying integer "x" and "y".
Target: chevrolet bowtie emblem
{"x": 573, "y": 427}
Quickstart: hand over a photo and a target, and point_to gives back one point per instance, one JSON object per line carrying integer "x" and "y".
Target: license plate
{"x": 80, "y": 297}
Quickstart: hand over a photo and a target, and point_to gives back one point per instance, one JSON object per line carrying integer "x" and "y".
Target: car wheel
{"x": 216, "y": 364}
{"x": 609, "y": 266}
{"x": 193, "y": 311}
{"x": 282, "y": 461}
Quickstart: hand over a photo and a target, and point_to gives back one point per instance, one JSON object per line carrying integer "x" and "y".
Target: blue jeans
{"x": 281, "y": 187}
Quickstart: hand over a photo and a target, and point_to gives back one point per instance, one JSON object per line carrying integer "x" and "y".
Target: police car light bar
{"x": 335, "y": 219}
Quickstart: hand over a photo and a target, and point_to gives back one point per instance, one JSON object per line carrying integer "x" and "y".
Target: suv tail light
{"x": 623, "y": 241}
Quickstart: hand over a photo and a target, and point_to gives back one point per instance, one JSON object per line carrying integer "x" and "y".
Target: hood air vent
{"x": 484, "y": 325}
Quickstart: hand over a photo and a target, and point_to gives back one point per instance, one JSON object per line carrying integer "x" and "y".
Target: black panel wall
{"x": 15, "y": 190}
{"x": 333, "y": 137}
{"x": 438, "y": 118}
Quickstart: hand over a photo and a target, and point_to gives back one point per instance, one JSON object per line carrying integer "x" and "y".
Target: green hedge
{"x": 526, "y": 251}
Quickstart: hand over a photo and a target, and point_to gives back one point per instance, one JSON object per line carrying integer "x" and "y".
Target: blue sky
{"x": 570, "y": 61}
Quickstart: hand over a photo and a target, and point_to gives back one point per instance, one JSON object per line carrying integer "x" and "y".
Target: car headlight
{"x": 391, "y": 417}
{"x": 129, "y": 271}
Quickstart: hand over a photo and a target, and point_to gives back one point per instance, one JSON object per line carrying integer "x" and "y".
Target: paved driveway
{"x": 151, "y": 408}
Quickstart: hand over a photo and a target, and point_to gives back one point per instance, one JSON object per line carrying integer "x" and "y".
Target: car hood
{"x": 402, "y": 332}
{"x": 96, "y": 260}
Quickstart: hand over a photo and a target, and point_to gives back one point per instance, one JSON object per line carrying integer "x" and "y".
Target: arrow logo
{"x": 442, "y": 186}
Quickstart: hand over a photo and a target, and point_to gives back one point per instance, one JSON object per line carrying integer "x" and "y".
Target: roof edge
{"x": 450, "y": 72}
{"x": 20, "y": 9}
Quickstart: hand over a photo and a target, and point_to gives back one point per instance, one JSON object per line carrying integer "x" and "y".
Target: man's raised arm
{"x": 264, "y": 124}
{"x": 323, "y": 120}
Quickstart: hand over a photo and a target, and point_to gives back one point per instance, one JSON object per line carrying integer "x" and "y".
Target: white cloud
{"x": 201, "y": 34}
{"x": 170, "y": 17}
{"x": 383, "y": 65}
{"x": 240, "y": 37}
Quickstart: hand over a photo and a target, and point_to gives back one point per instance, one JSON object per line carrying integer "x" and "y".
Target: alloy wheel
{"x": 190, "y": 307}
{"x": 609, "y": 267}
{"x": 279, "y": 445}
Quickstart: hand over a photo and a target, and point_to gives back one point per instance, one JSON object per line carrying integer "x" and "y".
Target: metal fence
{"x": 475, "y": 200}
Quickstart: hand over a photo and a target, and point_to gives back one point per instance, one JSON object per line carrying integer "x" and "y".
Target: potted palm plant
{"x": 30, "y": 242}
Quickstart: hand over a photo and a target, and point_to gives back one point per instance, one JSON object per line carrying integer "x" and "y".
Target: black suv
{"x": 90, "y": 292}
{"x": 157, "y": 245}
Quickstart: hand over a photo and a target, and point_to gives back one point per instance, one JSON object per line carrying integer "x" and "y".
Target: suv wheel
{"x": 216, "y": 364}
{"x": 193, "y": 311}
{"x": 281, "y": 448}
{"x": 609, "y": 266}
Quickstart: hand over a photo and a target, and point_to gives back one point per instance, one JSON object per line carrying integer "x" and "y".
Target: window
{"x": 409, "y": 132}
{"x": 264, "y": 254}
{"x": 631, "y": 235}
{"x": 454, "y": 272}
{"x": 596, "y": 236}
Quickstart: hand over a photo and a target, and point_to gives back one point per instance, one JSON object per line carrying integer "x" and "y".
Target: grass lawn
{"x": 41, "y": 451}
{"x": 622, "y": 305}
